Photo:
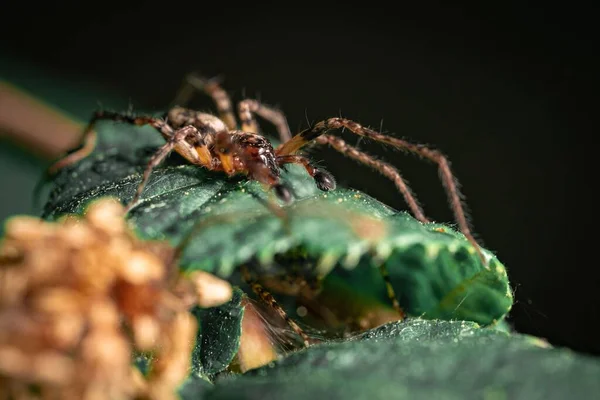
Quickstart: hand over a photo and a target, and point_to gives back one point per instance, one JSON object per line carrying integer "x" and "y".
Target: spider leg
{"x": 448, "y": 179}
{"x": 382, "y": 167}
{"x": 89, "y": 137}
{"x": 270, "y": 301}
{"x": 195, "y": 83}
{"x": 178, "y": 138}
{"x": 324, "y": 180}
{"x": 249, "y": 106}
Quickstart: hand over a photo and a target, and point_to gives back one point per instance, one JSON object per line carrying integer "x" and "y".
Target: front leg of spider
{"x": 323, "y": 179}
{"x": 319, "y": 132}
{"x": 177, "y": 139}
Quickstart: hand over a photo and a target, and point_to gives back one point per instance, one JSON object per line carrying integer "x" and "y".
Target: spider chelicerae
{"x": 220, "y": 144}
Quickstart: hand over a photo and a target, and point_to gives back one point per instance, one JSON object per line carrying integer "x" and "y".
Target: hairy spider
{"x": 214, "y": 143}
{"x": 219, "y": 144}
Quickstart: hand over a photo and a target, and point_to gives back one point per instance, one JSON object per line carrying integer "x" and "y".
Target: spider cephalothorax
{"x": 248, "y": 153}
{"x": 253, "y": 155}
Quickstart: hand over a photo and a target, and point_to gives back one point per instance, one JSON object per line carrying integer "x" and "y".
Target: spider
{"x": 213, "y": 142}
{"x": 218, "y": 143}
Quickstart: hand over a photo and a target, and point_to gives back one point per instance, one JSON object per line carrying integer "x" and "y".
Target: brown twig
{"x": 34, "y": 124}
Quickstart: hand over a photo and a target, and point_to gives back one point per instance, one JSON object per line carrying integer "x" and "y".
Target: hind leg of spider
{"x": 448, "y": 179}
{"x": 89, "y": 137}
{"x": 324, "y": 180}
{"x": 249, "y": 106}
{"x": 195, "y": 83}
{"x": 178, "y": 138}
{"x": 270, "y": 301}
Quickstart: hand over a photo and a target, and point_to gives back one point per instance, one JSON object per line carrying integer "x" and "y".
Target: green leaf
{"x": 420, "y": 359}
{"x": 436, "y": 274}
{"x": 437, "y": 279}
{"x": 218, "y": 337}
{"x": 194, "y": 388}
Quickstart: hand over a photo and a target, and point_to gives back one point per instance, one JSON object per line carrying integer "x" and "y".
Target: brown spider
{"x": 219, "y": 145}
{"x": 214, "y": 143}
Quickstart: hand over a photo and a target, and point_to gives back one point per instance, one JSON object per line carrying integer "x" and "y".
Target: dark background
{"x": 505, "y": 93}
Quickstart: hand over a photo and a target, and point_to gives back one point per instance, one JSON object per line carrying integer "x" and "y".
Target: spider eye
{"x": 223, "y": 150}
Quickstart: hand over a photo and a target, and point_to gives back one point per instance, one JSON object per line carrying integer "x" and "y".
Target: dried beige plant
{"x": 79, "y": 297}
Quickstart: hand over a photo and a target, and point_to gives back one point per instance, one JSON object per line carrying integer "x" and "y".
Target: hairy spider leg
{"x": 194, "y": 151}
{"x": 270, "y": 301}
{"x": 195, "y": 83}
{"x": 89, "y": 137}
{"x": 382, "y": 167}
{"x": 340, "y": 145}
{"x": 324, "y": 180}
{"x": 448, "y": 179}
{"x": 88, "y": 140}
{"x": 249, "y": 106}
{"x": 178, "y": 138}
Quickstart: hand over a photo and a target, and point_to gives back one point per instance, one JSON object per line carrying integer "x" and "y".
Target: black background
{"x": 505, "y": 93}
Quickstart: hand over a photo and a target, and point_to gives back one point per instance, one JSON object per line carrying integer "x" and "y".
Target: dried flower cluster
{"x": 79, "y": 297}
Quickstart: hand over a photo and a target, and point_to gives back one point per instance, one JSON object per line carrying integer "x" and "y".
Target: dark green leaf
{"x": 194, "y": 388}
{"x": 420, "y": 359}
{"x": 218, "y": 337}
